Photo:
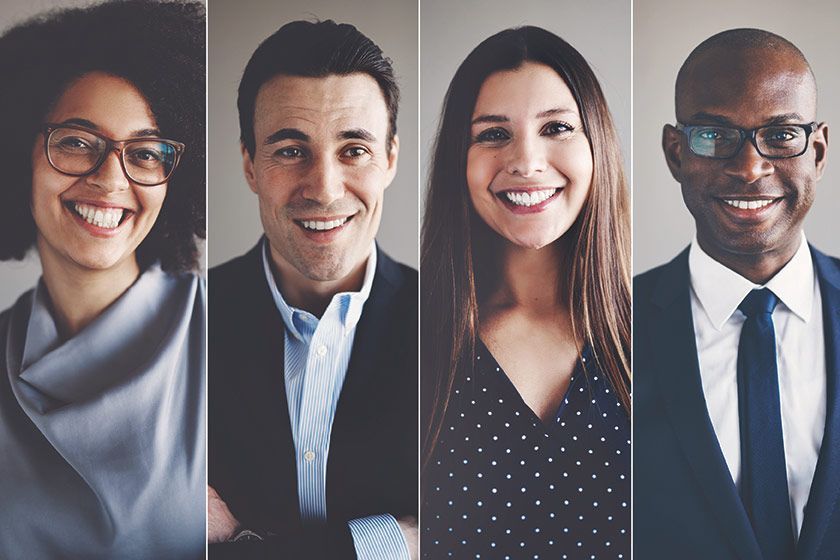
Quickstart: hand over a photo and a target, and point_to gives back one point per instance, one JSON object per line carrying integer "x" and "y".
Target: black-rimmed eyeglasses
{"x": 78, "y": 151}
{"x": 776, "y": 141}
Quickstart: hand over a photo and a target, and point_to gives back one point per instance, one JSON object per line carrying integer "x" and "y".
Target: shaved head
{"x": 740, "y": 53}
{"x": 741, "y": 82}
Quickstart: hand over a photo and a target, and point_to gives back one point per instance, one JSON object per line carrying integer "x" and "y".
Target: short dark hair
{"x": 158, "y": 46}
{"x": 320, "y": 48}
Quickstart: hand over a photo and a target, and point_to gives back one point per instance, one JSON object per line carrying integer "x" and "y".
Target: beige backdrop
{"x": 664, "y": 33}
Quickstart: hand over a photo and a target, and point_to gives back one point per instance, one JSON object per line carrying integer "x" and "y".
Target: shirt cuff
{"x": 378, "y": 537}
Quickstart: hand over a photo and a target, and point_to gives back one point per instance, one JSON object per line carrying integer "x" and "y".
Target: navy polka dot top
{"x": 502, "y": 484}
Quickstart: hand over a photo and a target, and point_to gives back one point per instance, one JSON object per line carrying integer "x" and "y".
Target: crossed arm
{"x": 371, "y": 536}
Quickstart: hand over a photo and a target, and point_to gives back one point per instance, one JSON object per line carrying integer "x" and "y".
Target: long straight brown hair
{"x": 454, "y": 261}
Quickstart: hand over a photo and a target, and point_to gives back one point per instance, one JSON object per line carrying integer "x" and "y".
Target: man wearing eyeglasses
{"x": 737, "y": 340}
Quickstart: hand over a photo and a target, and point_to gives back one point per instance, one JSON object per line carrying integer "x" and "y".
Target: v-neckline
{"x": 548, "y": 425}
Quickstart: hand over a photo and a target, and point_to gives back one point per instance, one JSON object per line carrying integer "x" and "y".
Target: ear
{"x": 672, "y": 148}
{"x": 248, "y": 167}
{"x": 820, "y": 140}
{"x": 393, "y": 155}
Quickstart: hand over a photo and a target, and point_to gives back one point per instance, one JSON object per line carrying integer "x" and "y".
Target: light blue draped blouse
{"x": 102, "y": 436}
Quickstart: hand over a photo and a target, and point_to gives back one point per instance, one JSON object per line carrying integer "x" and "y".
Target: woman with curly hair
{"x": 102, "y": 364}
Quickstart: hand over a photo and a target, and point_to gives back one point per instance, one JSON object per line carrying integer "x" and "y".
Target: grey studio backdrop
{"x": 664, "y": 33}
{"x": 450, "y": 30}
{"x": 235, "y": 29}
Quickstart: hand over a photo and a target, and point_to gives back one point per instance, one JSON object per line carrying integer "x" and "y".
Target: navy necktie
{"x": 764, "y": 489}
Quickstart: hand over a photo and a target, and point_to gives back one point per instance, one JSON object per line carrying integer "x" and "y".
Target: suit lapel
{"x": 371, "y": 333}
{"x": 678, "y": 374}
{"x": 267, "y": 388}
{"x": 825, "y": 488}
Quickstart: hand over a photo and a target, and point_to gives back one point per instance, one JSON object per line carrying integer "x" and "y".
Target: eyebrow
{"x": 778, "y": 119}
{"x": 541, "y": 115}
{"x": 357, "y": 134}
{"x": 143, "y": 132}
{"x": 286, "y": 134}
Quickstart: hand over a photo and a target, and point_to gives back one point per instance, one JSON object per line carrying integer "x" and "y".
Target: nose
{"x": 110, "y": 176}
{"x": 748, "y": 165}
{"x": 526, "y": 157}
{"x": 324, "y": 182}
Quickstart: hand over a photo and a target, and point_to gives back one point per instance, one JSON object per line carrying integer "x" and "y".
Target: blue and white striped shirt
{"x": 317, "y": 352}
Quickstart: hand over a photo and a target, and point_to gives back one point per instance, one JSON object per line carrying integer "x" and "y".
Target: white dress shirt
{"x": 316, "y": 356}
{"x": 800, "y": 357}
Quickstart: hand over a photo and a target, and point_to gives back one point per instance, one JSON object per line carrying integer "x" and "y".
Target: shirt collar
{"x": 350, "y": 304}
{"x": 720, "y": 290}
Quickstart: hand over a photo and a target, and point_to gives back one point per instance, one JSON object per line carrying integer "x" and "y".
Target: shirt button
{"x": 309, "y": 456}
{"x": 321, "y": 350}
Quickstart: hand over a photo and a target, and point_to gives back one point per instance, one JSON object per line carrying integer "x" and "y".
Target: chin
{"x": 325, "y": 270}
{"x": 531, "y": 239}
{"x": 531, "y": 243}
{"x": 101, "y": 261}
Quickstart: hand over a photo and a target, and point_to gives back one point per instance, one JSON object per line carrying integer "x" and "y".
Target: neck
{"x": 79, "y": 295}
{"x": 757, "y": 268}
{"x": 530, "y": 278}
{"x": 311, "y": 295}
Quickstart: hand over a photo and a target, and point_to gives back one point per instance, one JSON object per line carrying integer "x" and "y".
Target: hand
{"x": 408, "y": 526}
{"x": 221, "y": 524}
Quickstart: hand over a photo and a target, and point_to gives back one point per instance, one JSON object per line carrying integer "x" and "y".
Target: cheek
{"x": 367, "y": 185}
{"x": 482, "y": 168}
{"x": 152, "y": 198}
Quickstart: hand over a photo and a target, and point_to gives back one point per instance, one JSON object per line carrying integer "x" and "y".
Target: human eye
{"x": 714, "y": 135}
{"x": 709, "y": 133}
{"x": 147, "y": 155}
{"x": 781, "y": 135}
{"x": 73, "y": 144}
{"x": 289, "y": 153}
{"x": 355, "y": 152}
{"x": 557, "y": 128}
{"x": 493, "y": 135}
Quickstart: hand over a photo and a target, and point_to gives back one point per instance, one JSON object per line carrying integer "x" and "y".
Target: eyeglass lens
{"x": 77, "y": 152}
{"x": 772, "y": 141}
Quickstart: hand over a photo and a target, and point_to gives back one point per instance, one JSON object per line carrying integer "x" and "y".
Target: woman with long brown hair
{"x": 526, "y": 311}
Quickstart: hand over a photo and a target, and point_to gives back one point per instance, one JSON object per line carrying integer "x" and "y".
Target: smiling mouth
{"x": 99, "y": 216}
{"x": 527, "y": 198}
{"x": 324, "y": 225}
{"x": 750, "y": 203}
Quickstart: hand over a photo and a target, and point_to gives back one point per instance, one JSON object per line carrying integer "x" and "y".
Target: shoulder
{"x": 237, "y": 279}
{"x": 232, "y": 271}
{"x": 647, "y": 283}
{"x": 399, "y": 275}
{"x": 825, "y": 263}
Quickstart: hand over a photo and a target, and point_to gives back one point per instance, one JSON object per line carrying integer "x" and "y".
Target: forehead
{"x": 748, "y": 88}
{"x": 113, "y": 104}
{"x": 524, "y": 92}
{"x": 320, "y": 106}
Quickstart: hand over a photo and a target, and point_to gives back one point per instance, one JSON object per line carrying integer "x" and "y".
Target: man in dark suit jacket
{"x": 313, "y": 449}
{"x": 747, "y": 155}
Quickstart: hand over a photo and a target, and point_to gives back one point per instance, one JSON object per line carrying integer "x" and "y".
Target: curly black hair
{"x": 158, "y": 46}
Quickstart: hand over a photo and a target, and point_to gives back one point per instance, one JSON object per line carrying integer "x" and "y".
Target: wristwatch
{"x": 246, "y": 535}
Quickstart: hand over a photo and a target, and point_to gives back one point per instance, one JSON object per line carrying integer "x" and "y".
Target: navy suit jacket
{"x": 686, "y": 505}
{"x": 372, "y": 464}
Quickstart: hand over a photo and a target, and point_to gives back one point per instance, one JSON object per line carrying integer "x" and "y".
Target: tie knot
{"x": 758, "y": 301}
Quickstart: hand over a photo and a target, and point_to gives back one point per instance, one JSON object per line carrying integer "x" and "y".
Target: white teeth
{"x": 316, "y": 225}
{"x": 748, "y": 204}
{"x": 107, "y": 218}
{"x": 531, "y": 198}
